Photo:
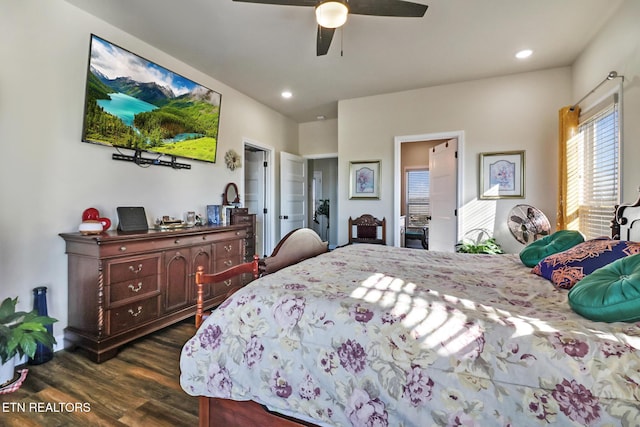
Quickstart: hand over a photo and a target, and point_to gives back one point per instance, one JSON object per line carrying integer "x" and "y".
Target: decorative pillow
{"x": 611, "y": 293}
{"x": 549, "y": 245}
{"x": 566, "y": 268}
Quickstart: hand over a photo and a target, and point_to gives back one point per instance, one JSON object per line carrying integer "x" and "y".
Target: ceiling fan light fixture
{"x": 331, "y": 13}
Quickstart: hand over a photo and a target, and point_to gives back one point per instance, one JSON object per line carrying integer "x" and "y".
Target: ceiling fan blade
{"x": 282, "y": 2}
{"x": 323, "y": 40}
{"x": 387, "y": 8}
{"x": 361, "y": 7}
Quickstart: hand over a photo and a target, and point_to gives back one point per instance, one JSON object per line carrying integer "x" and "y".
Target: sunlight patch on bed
{"x": 435, "y": 323}
{"x": 383, "y": 290}
{"x": 528, "y": 325}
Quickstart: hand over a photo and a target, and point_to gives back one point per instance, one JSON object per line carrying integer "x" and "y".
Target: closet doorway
{"x": 323, "y": 197}
{"x": 426, "y": 208}
{"x": 258, "y": 193}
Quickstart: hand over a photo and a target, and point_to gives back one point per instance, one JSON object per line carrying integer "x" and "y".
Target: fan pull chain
{"x": 341, "y": 40}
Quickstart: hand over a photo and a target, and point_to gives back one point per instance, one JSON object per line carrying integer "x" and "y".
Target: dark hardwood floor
{"x": 138, "y": 387}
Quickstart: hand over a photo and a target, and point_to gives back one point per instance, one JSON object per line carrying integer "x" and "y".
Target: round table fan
{"x": 527, "y": 224}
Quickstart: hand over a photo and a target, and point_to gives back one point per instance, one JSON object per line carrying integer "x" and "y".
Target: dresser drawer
{"x": 133, "y": 269}
{"x": 243, "y": 219}
{"x": 222, "y": 288}
{"x": 223, "y": 264}
{"x": 146, "y": 246}
{"x": 138, "y": 288}
{"x": 228, "y": 249}
{"x": 131, "y": 315}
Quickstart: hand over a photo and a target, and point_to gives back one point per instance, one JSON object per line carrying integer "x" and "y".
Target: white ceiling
{"x": 261, "y": 50}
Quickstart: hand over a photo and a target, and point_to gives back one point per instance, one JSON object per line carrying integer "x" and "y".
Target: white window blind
{"x": 593, "y": 160}
{"x": 418, "y": 209}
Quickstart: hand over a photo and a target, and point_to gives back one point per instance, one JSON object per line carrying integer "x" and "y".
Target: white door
{"x": 319, "y": 222}
{"x": 443, "y": 185}
{"x": 293, "y": 195}
{"x": 254, "y": 192}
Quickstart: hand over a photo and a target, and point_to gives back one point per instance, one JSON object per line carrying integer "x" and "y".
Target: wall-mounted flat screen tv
{"x": 133, "y": 103}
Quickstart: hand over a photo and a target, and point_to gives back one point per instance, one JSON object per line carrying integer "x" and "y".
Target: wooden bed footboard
{"x": 296, "y": 246}
{"x": 231, "y": 413}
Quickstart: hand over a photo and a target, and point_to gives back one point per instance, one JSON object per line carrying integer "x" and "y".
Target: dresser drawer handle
{"x": 228, "y": 263}
{"x": 177, "y": 241}
{"x": 136, "y": 313}
{"x": 228, "y": 248}
{"x": 136, "y": 289}
{"x": 135, "y": 270}
{"x": 123, "y": 248}
{"x": 227, "y": 282}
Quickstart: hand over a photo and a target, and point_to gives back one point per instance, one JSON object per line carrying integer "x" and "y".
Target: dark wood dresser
{"x": 242, "y": 216}
{"x": 123, "y": 286}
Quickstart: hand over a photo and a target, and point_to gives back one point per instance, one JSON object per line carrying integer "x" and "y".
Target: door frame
{"x": 269, "y": 223}
{"x": 333, "y": 208}
{"x": 397, "y": 175}
{"x": 284, "y": 172}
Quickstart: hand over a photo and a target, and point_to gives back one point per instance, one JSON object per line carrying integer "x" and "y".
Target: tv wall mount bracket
{"x": 142, "y": 161}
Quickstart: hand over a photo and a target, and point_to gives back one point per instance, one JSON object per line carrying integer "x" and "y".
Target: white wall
{"x": 48, "y": 176}
{"x": 319, "y": 137}
{"x": 516, "y": 112}
{"x": 617, "y": 48}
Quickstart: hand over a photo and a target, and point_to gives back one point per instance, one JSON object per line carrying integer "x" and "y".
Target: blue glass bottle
{"x": 43, "y": 353}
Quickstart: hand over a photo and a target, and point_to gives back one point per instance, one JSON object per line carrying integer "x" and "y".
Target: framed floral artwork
{"x": 502, "y": 175}
{"x": 364, "y": 180}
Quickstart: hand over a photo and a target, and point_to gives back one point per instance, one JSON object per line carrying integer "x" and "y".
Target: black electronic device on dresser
{"x": 123, "y": 286}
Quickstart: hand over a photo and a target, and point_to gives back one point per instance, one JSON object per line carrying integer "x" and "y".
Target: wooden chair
{"x": 203, "y": 278}
{"x": 367, "y": 227}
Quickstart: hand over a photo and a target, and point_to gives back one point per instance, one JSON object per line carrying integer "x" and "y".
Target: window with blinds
{"x": 418, "y": 198}
{"x": 593, "y": 166}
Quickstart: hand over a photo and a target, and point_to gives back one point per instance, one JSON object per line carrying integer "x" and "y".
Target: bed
{"x": 371, "y": 335}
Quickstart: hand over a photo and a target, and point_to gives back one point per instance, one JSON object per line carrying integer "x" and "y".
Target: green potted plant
{"x": 488, "y": 246}
{"x": 20, "y": 333}
{"x": 322, "y": 210}
{"x": 479, "y": 241}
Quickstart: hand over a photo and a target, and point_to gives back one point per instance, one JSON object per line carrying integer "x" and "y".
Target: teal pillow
{"x": 549, "y": 245}
{"x": 611, "y": 293}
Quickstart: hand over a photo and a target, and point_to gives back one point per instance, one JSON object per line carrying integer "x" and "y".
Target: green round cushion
{"x": 559, "y": 241}
{"x": 611, "y": 293}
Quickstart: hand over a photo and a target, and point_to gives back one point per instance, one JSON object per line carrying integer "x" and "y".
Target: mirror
{"x": 230, "y": 195}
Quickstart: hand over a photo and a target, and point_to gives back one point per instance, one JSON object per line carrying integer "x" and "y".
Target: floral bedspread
{"x": 370, "y": 335}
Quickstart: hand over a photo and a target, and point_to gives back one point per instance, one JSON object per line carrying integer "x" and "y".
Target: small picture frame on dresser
{"x": 214, "y": 214}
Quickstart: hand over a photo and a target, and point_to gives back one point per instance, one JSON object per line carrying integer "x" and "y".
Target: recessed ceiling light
{"x": 286, "y": 94}
{"x": 524, "y": 54}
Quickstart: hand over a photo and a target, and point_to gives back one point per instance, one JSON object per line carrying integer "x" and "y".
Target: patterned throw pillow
{"x": 611, "y": 293}
{"x": 566, "y": 268}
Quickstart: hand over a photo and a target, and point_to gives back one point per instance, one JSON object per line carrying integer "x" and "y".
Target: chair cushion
{"x": 566, "y": 268}
{"x": 557, "y": 242}
{"x": 611, "y": 293}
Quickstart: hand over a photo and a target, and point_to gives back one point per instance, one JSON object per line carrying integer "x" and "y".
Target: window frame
{"x": 589, "y": 212}
{"x": 409, "y": 222}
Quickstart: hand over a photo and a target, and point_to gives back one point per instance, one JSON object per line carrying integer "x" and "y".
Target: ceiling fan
{"x": 331, "y": 14}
